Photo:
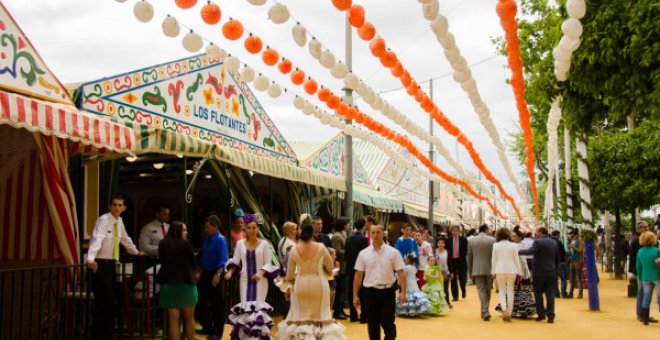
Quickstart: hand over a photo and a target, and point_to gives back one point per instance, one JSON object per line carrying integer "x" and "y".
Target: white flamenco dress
{"x": 310, "y": 316}
{"x": 251, "y": 318}
{"x": 417, "y": 303}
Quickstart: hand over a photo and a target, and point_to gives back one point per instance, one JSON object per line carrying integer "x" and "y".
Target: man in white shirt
{"x": 103, "y": 253}
{"x": 377, "y": 265}
{"x": 153, "y": 232}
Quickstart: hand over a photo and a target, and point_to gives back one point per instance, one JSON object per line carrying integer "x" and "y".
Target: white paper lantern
{"x": 325, "y": 119}
{"x": 143, "y": 11}
{"x": 309, "y": 109}
{"x": 299, "y": 103}
{"x": 261, "y": 83}
{"x": 257, "y": 2}
{"x": 121, "y": 1}
{"x": 171, "y": 26}
{"x": 370, "y": 97}
{"x": 561, "y": 76}
{"x": 576, "y": 8}
{"x": 351, "y": 81}
{"x": 192, "y": 42}
{"x": 299, "y": 34}
{"x": 462, "y": 76}
{"x": 423, "y": 1}
{"x": 560, "y": 54}
{"x": 274, "y": 90}
{"x": 572, "y": 28}
{"x": 315, "y": 48}
{"x": 327, "y": 59}
{"x": 431, "y": 10}
{"x": 213, "y": 51}
{"x": 278, "y": 14}
{"x": 569, "y": 44}
{"x": 452, "y": 54}
{"x": 335, "y": 121}
{"x": 377, "y": 104}
{"x": 232, "y": 64}
{"x": 362, "y": 89}
{"x": 469, "y": 86}
{"x": 247, "y": 74}
{"x": 339, "y": 70}
{"x": 447, "y": 41}
{"x": 459, "y": 65}
{"x": 440, "y": 26}
{"x": 562, "y": 66}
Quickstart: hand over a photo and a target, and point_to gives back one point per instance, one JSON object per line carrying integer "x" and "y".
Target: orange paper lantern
{"x": 285, "y": 66}
{"x": 359, "y": 117}
{"x": 253, "y": 44}
{"x": 367, "y": 31}
{"x": 297, "y": 77}
{"x": 342, "y": 5}
{"x": 397, "y": 70}
{"x": 389, "y": 59}
{"x": 356, "y": 16}
{"x": 232, "y": 29}
{"x": 310, "y": 86}
{"x": 211, "y": 13}
{"x": 324, "y": 94}
{"x": 185, "y": 4}
{"x": 333, "y": 103}
{"x": 405, "y": 79}
{"x": 270, "y": 56}
{"x": 378, "y": 47}
{"x": 342, "y": 110}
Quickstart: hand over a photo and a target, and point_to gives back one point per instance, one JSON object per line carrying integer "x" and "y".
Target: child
{"x": 335, "y": 271}
{"x": 434, "y": 287}
{"x": 417, "y": 303}
{"x": 441, "y": 259}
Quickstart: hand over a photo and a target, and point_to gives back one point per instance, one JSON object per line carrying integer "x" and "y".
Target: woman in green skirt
{"x": 178, "y": 292}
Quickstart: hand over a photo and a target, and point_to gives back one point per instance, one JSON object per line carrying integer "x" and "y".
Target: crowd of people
{"x": 352, "y": 267}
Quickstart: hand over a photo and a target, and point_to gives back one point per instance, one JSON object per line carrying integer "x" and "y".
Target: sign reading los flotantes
{"x": 193, "y": 97}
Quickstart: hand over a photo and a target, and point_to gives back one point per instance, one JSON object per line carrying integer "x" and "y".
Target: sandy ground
{"x": 615, "y": 320}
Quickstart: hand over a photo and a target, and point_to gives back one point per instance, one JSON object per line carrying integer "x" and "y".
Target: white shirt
{"x": 150, "y": 236}
{"x": 283, "y": 248}
{"x": 505, "y": 259}
{"x": 379, "y": 266}
{"x": 425, "y": 250}
{"x": 101, "y": 243}
{"x": 526, "y": 243}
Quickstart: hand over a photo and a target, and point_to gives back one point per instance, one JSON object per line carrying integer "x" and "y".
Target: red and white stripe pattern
{"x": 65, "y": 122}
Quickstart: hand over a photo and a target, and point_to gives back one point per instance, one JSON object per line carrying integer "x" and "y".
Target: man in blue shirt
{"x": 406, "y": 244}
{"x": 212, "y": 262}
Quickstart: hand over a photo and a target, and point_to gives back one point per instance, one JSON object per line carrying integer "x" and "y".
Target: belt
{"x": 380, "y": 287}
{"x": 105, "y": 261}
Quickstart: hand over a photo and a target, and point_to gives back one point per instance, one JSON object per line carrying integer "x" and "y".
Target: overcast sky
{"x": 83, "y": 40}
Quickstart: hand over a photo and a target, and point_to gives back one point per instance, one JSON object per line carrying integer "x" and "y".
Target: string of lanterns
{"x": 553, "y": 151}
{"x": 506, "y": 10}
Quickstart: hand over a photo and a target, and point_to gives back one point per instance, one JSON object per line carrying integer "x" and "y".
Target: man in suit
{"x": 480, "y": 252}
{"x": 457, "y": 249}
{"x": 354, "y": 244}
{"x": 338, "y": 242}
{"x": 546, "y": 262}
{"x": 319, "y": 236}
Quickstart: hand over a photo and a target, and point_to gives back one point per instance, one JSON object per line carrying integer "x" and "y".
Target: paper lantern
{"x": 560, "y": 54}
{"x": 459, "y": 65}
{"x": 310, "y": 86}
{"x": 447, "y": 41}
{"x": 314, "y": 48}
{"x": 274, "y": 90}
{"x": 339, "y": 70}
{"x": 370, "y": 97}
{"x": 576, "y": 8}
{"x": 568, "y": 44}
{"x": 327, "y": 59}
{"x": 362, "y": 89}
{"x": 278, "y": 14}
{"x": 232, "y": 64}
{"x": 121, "y": 1}
{"x": 257, "y": 2}
{"x": 334, "y": 102}
{"x": 270, "y": 56}
{"x": 232, "y": 29}
{"x": 367, "y": 31}
{"x": 214, "y": 51}
{"x": 299, "y": 34}
{"x": 297, "y": 77}
{"x": 342, "y": 5}
{"x": 440, "y": 26}
{"x": 299, "y": 103}
{"x": 253, "y": 44}
{"x": 561, "y": 76}
{"x": 185, "y": 4}
{"x": 572, "y": 28}
{"x": 452, "y": 54}
{"x": 247, "y": 74}
{"x": 171, "y": 26}
{"x": 431, "y": 10}
{"x": 211, "y": 13}
{"x": 405, "y": 78}
{"x": 462, "y": 76}
{"x": 397, "y": 69}
{"x": 562, "y": 66}
{"x": 377, "y": 104}
{"x": 506, "y": 9}
{"x": 389, "y": 59}
{"x": 309, "y": 108}
{"x": 285, "y": 66}
{"x": 143, "y": 11}
{"x": 351, "y": 81}
{"x": 192, "y": 42}
{"x": 356, "y": 16}
{"x": 378, "y": 47}
{"x": 261, "y": 83}
{"x": 324, "y": 94}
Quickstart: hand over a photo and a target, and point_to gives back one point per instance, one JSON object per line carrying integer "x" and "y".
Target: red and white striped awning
{"x": 65, "y": 122}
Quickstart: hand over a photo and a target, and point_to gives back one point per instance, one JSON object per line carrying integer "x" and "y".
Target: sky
{"x": 84, "y": 40}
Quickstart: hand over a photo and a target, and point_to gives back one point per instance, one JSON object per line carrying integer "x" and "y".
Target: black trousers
{"x": 445, "y": 285}
{"x": 547, "y": 285}
{"x": 103, "y": 286}
{"x": 379, "y": 305}
{"x": 350, "y": 276}
{"x": 210, "y": 308}
{"x": 460, "y": 276}
{"x": 340, "y": 291}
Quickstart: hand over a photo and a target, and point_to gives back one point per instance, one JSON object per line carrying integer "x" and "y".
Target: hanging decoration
{"x": 270, "y": 56}
{"x": 214, "y": 51}
{"x": 506, "y": 10}
{"x": 570, "y": 41}
{"x": 315, "y": 48}
{"x": 211, "y": 13}
{"x": 185, "y": 4}
{"x": 232, "y": 64}
{"x": 253, "y": 44}
{"x": 143, "y": 11}
{"x": 285, "y": 66}
{"x": 356, "y": 16}
{"x": 232, "y": 29}
{"x": 342, "y": 5}
{"x": 553, "y": 153}
{"x": 192, "y": 42}
{"x": 247, "y": 74}
{"x": 274, "y": 90}
{"x": 278, "y": 14}
{"x": 171, "y": 26}
{"x": 261, "y": 83}
{"x": 299, "y": 34}
{"x": 257, "y": 2}
{"x": 367, "y": 31}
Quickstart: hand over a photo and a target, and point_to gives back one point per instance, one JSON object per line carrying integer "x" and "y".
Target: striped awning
{"x": 376, "y": 199}
{"x": 66, "y": 122}
{"x": 422, "y": 211}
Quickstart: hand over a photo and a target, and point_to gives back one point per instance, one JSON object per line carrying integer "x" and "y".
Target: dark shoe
{"x": 354, "y": 320}
{"x": 579, "y": 296}
{"x": 653, "y": 320}
{"x": 451, "y": 306}
{"x": 203, "y": 331}
{"x": 463, "y": 296}
{"x": 454, "y": 299}
{"x": 551, "y": 320}
{"x": 213, "y": 337}
{"x": 540, "y": 318}
{"x": 363, "y": 321}
{"x": 486, "y": 318}
{"x": 645, "y": 316}
{"x": 340, "y": 316}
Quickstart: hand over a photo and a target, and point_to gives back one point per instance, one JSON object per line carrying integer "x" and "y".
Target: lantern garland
{"x": 570, "y": 41}
{"x": 506, "y": 10}
{"x": 553, "y": 152}
{"x": 390, "y": 60}
{"x": 463, "y": 76}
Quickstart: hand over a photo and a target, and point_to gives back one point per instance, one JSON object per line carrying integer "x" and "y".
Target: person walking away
{"x": 441, "y": 255}
{"x": 109, "y": 232}
{"x": 154, "y": 232}
{"x": 577, "y": 249}
{"x": 546, "y": 261}
{"x": 563, "y": 270}
{"x": 647, "y": 271}
{"x": 457, "y": 247}
{"x": 434, "y": 288}
{"x": 641, "y": 228}
{"x": 213, "y": 257}
{"x": 355, "y": 243}
{"x": 178, "y": 292}
{"x": 480, "y": 251}
{"x": 505, "y": 268}
{"x": 523, "y": 293}
{"x": 338, "y": 242}
{"x": 377, "y": 264}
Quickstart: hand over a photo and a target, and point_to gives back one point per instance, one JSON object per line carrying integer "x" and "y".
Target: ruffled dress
{"x": 417, "y": 303}
{"x": 434, "y": 290}
{"x": 251, "y": 318}
{"x": 310, "y": 315}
